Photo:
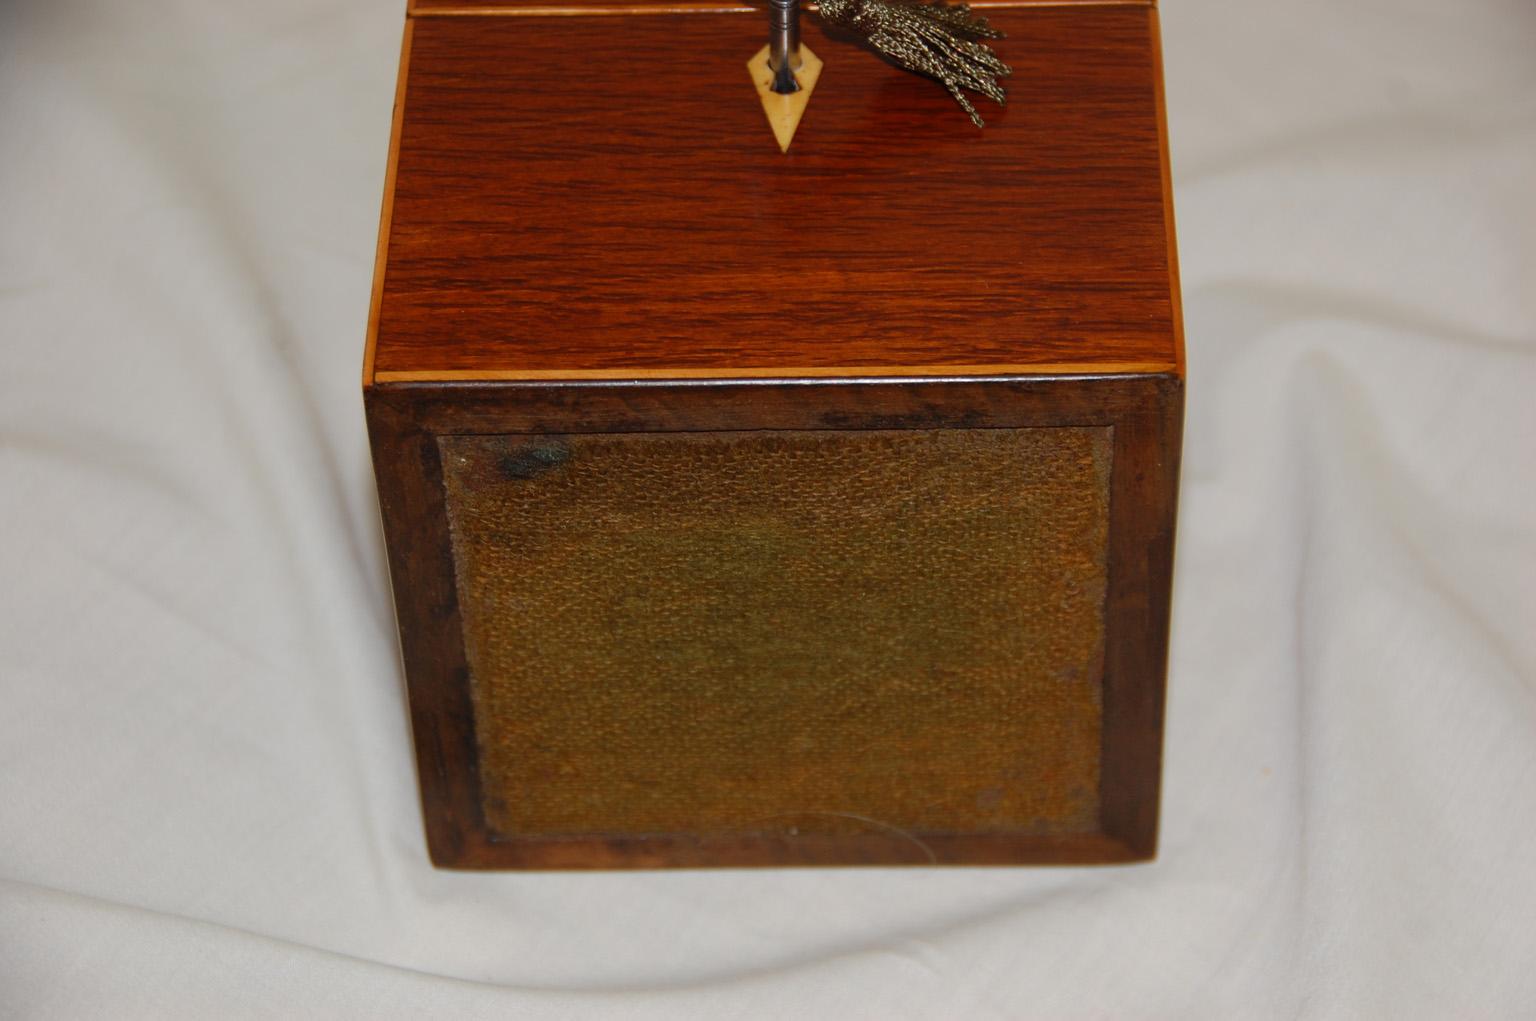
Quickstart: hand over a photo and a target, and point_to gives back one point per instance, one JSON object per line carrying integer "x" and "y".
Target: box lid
{"x": 586, "y": 197}
{"x": 432, "y": 8}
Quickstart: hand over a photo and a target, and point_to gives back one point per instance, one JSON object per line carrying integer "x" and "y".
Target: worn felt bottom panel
{"x": 769, "y": 631}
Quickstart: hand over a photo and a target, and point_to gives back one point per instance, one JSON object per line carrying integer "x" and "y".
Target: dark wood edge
{"x": 408, "y": 471}
{"x": 715, "y": 405}
{"x": 866, "y": 849}
{"x": 1143, "y": 508}
{"x": 1144, "y": 411}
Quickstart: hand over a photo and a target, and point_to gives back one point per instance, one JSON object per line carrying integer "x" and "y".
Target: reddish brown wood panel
{"x": 555, "y": 215}
{"x": 521, "y": 8}
{"x": 437, "y": 8}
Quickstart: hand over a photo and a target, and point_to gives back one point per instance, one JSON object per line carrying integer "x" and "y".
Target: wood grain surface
{"x": 544, "y": 8}
{"x": 554, "y": 219}
{"x": 568, "y": 253}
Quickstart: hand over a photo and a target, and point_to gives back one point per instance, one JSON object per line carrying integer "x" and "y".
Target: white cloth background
{"x": 207, "y": 800}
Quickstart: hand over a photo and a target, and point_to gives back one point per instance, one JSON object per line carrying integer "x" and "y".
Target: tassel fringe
{"x": 942, "y": 41}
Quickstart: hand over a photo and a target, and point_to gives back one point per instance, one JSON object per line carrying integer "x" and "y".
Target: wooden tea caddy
{"x": 761, "y": 508}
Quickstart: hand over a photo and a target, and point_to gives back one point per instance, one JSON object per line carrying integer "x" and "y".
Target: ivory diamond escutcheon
{"x": 784, "y": 112}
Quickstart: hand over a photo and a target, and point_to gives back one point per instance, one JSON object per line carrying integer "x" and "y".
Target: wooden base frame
{"x": 1144, "y": 412}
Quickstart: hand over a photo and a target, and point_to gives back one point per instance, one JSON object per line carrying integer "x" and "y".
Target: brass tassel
{"x": 934, "y": 39}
